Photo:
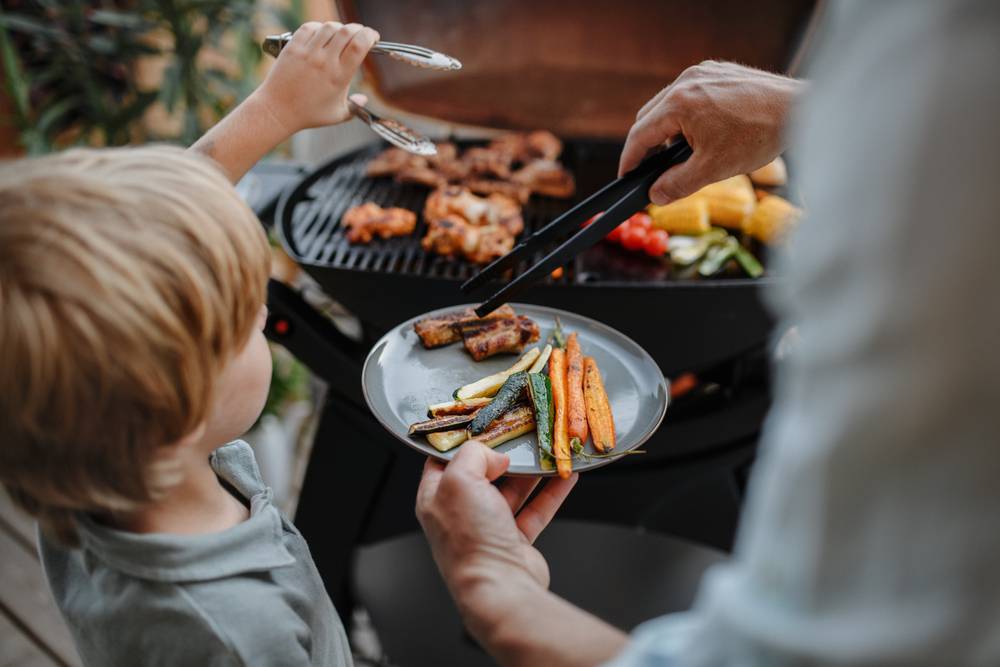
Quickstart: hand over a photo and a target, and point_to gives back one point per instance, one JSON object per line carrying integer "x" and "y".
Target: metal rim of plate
{"x": 519, "y": 471}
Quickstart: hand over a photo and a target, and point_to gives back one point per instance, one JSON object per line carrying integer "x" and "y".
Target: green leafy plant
{"x": 69, "y": 66}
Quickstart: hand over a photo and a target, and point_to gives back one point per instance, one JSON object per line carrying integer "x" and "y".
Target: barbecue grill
{"x": 580, "y": 70}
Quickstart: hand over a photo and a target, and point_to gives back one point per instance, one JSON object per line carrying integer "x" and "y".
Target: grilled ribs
{"x": 446, "y": 329}
{"x": 495, "y": 336}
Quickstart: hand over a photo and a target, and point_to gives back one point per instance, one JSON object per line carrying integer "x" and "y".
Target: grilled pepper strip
{"x": 560, "y": 435}
{"x": 540, "y": 389}
{"x": 717, "y": 256}
{"x": 512, "y": 389}
{"x": 576, "y": 412}
{"x": 602, "y": 423}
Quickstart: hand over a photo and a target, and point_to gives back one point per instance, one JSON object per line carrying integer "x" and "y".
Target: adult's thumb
{"x": 481, "y": 460}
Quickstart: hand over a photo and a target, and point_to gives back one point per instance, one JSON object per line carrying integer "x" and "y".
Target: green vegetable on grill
{"x": 505, "y": 400}
{"x": 717, "y": 256}
{"x": 748, "y": 262}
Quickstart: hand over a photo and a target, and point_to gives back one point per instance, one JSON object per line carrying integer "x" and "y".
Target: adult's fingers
{"x": 358, "y": 47}
{"x": 323, "y": 35}
{"x": 653, "y": 130}
{"x": 516, "y": 490}
{"x": 539, "y": 512}
{"x": 648, "y": 106}
{"x": 429, "y": 481}
{"x": 478, "y": 461}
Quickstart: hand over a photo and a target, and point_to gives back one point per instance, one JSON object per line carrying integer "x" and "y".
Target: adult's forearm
{"x": 243, "y": 137}
{"x": 525, "y": 624}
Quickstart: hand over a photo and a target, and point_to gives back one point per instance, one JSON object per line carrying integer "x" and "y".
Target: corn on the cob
{"x": 730, "y": 202}
{"x": 773, "y": 219}
{"x": 773, "y": 173}
{"x": 685, "y": 216}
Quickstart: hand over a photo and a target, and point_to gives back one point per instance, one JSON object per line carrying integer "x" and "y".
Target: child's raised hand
{"x": 307, "y": 87}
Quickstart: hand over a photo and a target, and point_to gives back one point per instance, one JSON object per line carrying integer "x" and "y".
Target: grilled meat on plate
{"x": 446, "y": 329}
{"x": 503, "y": 335}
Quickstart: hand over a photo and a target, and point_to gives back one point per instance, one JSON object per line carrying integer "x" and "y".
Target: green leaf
{"x": 26, "y": 24}
{"x": 17, "y": 83}
{"x": 53, "y": 114}
{"x": 117, "y": 19}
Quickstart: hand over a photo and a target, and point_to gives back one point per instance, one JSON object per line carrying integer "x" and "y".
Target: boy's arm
{"x": 307, "y": 87}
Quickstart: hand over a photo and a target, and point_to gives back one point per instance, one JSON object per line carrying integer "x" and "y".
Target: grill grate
{"x": 315, "y": 236}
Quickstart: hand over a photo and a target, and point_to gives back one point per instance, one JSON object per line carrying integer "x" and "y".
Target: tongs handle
{"x": 620, "y": 198}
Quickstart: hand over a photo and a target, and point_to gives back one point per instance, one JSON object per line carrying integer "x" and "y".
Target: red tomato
{"x": 615, "y": 235}
{"x": 640, "y": 219}
{"x": 633, "y": 237}
{"x": 589, "y": 221}
{"x": 657, "y": 242}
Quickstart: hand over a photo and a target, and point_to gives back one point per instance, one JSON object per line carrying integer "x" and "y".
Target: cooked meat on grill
{"x": 486, "y": 186}
{"x": 485, "y": 170}
{"x": 495, "y": 209}
{"x": 485, "y": 161}
{"x": 450, "y": 236}
{"x": 477, "y": 228}
{"x": 446, "y": 329}
{"x": 508, "y": 334}
{"x": 421, "y": 174}
{"x": 494, "y": 242}
{"x": 546, "y": 177}
{"x": 369, "y": 220}
{"x": 528, "y": 146}
{"x": 388, "y": 162}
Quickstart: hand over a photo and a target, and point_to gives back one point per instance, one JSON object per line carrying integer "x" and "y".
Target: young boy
{"x": 132, "y": 286}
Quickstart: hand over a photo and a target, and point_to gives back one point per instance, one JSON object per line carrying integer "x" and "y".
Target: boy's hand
{"x": 307, "y": 87}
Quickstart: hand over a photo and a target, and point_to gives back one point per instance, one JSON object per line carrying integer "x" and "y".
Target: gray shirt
{"x": 249, "y": 595}
{"x": 871, "y": 535}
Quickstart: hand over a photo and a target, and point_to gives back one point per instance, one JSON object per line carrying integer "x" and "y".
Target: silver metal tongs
{"x": 391, "y": 130}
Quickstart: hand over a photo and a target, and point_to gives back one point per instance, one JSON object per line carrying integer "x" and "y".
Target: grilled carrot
{"x": 602, "y": 423}
{"x": 576, "y": 411}
{"x": 560, "y": 436}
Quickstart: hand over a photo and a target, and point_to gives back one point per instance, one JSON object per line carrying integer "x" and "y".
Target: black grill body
{"x": 684, "y": 323}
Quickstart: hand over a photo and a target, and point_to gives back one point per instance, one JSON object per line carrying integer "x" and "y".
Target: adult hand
{"x": 307, "y": 87}
{"x": 732, "y": 116}
{"x": 479, "y": 532}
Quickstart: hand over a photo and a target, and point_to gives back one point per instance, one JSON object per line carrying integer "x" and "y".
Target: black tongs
{"x": 618, "y": 199}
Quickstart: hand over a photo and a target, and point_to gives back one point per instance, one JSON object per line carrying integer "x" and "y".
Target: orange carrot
{"x": 560, "y": 437}
{"x": 576, "y": 411}
{"x": 602, "y": 423}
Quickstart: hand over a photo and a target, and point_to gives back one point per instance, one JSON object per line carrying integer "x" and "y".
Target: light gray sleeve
{"x": 870, "y": 535}
{"x": 255, "y": 621}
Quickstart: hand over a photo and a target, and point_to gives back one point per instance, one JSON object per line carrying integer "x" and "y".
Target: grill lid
{"x": 579, "y": 69}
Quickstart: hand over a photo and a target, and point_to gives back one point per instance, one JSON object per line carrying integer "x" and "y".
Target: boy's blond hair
{"x": 128, "y": 279}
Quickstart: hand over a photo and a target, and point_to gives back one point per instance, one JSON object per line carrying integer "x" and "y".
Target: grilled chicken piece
{"x": 494, "y": 242}
{"x": 485, "y": 186}
{"x": 450, "y": 236}
{"x": 508, "y": 334}
{"x": 421, "y": 174}
{"x": 388, "y": 162}
{"x": 546, "y": 177}
{"x": 369, "y": 220}
{"x": 492, "y": 210}
{"x": 528, "y": 146}
{"x": 485, "y": 161}
{"x": 446, "y": 329}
